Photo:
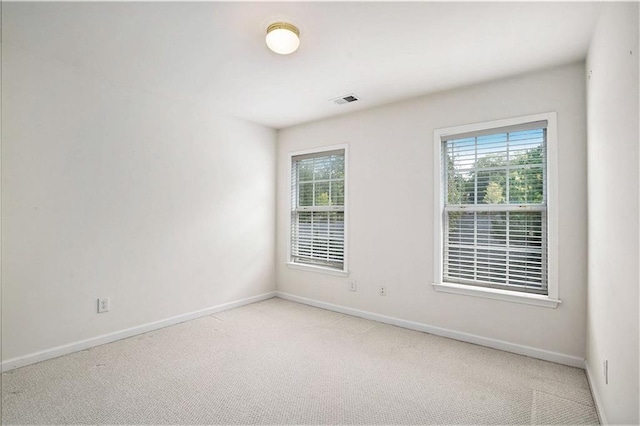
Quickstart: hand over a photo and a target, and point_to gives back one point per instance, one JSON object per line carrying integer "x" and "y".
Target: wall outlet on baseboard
{"x": 605, "y": 371}
{"x": 383, "y": 291}
{"x": 103, "y": 305}
{"x": 352, "y": 285}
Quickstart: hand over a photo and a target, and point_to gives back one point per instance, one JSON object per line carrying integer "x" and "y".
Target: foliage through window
{"x": 317, "y": 209}
{"x": 495, "y": 209}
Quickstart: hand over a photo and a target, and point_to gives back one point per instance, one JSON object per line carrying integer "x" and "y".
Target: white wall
{"x": 613, "y": 209}
{"x": 109, "y": 191}
{"x": 390, "y": 210}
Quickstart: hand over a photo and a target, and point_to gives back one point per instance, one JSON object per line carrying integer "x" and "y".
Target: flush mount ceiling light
{"x": 283, "y": 38}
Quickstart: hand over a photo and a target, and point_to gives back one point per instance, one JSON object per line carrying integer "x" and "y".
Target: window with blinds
{"x": 494, "y": 185}
{"x": 317, "y": 209}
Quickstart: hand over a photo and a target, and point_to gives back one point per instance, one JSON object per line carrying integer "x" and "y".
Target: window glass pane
{"x": 305, "y": 170}
{"x": 526, "y": 185}
{"x": 525, "y": 229}
{"x": 337, "y": 167}
{"x": 320, "y": 225}
{"x": 491, "y": 151}
{"x": 322, "y": 168}
{"x": 322, "y": 194}
{"x": 491, "y": 186}
{"x": 337, "y": 193}
{"x": 526, "y": 143}
{"x": 304, "y": 234}
{"x": 460, "y": 184}
{"x": 305, "y": 197}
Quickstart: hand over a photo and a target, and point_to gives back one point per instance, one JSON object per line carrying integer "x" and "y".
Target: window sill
{"x": 319, "y": 269}
{"x": 496, "y": 294}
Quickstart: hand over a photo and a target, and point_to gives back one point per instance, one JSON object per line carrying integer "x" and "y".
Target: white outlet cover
{"x": 103, "y": 305}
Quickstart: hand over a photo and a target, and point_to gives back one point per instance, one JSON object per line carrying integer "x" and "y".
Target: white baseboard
{"x": 572, "y": 361}
{"x": 596, "y": 395}
{"x": 22, "y": 361}
{"x": 543, "y": 354}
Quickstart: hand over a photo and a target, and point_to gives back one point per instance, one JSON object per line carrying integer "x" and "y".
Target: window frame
{"x": 551, "y": 299}
{"x": 344, "y": 272}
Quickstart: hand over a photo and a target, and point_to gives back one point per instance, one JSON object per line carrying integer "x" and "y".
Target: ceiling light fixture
{"x": 283, "y": 38}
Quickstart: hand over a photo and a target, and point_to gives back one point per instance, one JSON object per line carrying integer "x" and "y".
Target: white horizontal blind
{"x": 495, "y": 211}
{"x": 317, "y": 209}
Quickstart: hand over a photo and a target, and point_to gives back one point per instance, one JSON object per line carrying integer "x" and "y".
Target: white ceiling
{"x": 382, "y": 52}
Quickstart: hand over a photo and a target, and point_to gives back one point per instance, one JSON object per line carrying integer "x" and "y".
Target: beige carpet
{"x": 279, "y": 362}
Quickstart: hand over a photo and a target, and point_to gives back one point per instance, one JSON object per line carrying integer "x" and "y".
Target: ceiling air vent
{"x": 345, "y": 99}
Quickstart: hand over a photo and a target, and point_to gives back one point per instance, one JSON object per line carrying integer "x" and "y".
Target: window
{"x": 318, "y": 209}
{"x": 494, "y": 211}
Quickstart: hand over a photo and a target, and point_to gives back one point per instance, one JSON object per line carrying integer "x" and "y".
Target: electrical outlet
{"x": 605, "y": 371}
{"x": 352, "y": 285}
{"x": 383, "y": 291}
{"x": 103, "y": 305}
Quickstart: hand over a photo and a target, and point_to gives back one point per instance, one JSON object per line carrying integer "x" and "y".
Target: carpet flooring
{"x": 280, "y": 362}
